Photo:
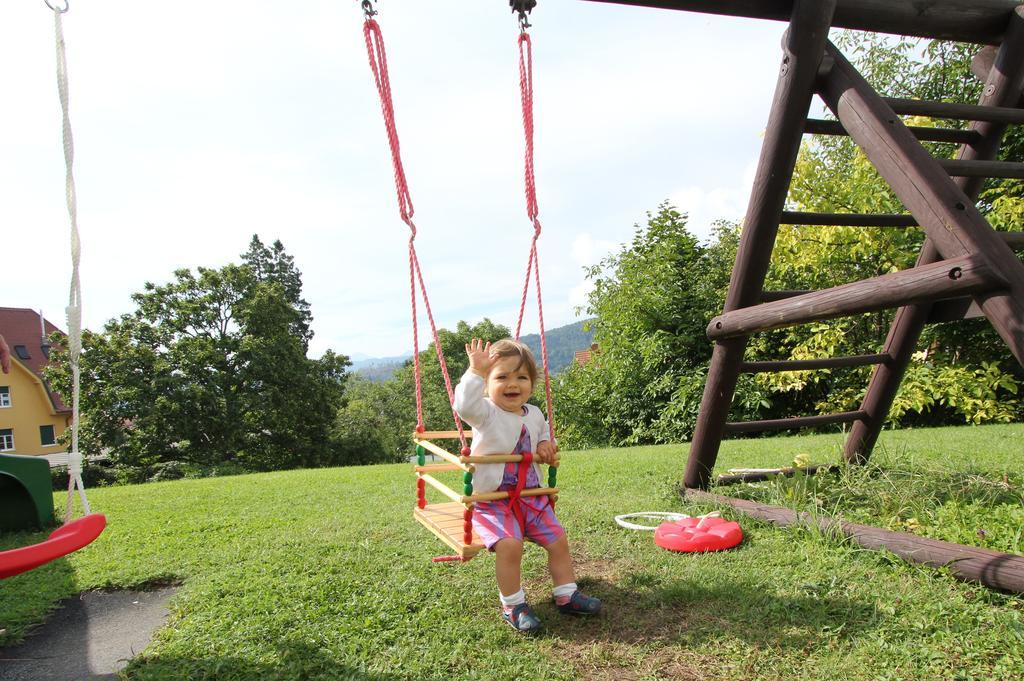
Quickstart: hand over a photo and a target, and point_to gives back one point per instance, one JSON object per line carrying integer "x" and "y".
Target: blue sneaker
{"x": 580, "y": 604}
{"x": 522, "y": 619}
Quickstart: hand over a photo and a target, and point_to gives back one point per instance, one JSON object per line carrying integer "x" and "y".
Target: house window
{"x": 46, "y": 436}
{"x": 22, "y": 352}
{"x": 6, "y": 439}
{"x": 5, "y": 396}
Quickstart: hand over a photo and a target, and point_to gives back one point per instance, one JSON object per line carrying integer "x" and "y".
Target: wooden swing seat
{"x": 445, "y": 521}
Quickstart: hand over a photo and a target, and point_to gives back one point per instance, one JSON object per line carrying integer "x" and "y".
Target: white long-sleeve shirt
{"x": 495, "y": 431}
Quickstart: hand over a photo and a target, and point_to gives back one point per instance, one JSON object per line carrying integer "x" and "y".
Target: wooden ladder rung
{"x": 945, "y": 279}
{"x": 848, "y": 219}
{"x": 817, "y": 126}
{"x": 770, "y": 296}
{"x": 793, "y": 422}
{"x": 1003, "y": 169}
{"x": 965, "y": 112}
{"x": 1014, "y": 240}
{"x": 812, "y": 364}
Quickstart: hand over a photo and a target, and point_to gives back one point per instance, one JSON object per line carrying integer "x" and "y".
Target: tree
{"x": 208, "y": 370}
{"x": 652, "y": 300}
{"x": 274, "y": 264}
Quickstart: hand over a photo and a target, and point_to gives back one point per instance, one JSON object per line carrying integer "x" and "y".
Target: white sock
{"x": 565, "y": 590}
{"x": 518, "y": 598}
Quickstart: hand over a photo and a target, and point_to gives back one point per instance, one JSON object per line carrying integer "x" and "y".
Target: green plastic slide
{"x": 26, "y": 493}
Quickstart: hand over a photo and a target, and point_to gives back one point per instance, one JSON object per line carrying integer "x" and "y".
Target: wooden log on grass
{"x": 759, "y": 475}
{"x": 994, "y": 569}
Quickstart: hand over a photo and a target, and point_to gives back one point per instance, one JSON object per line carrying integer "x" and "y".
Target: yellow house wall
{"x": 30, "y": 408}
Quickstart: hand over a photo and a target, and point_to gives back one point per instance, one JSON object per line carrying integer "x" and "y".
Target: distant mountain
{"x": 377, "y": 369}
{"x": 562, "y": 343}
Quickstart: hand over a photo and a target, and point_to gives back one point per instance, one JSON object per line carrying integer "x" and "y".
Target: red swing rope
{"x": 532, "y": 210}
{"x": 379, "y": 65}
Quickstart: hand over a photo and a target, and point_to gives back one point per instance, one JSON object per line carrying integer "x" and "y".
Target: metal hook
{"x": 58, "y": 9}
{"x": 523, "y": 7}
{"x": 368, "y": 10}
{"x": 524, "y": 22}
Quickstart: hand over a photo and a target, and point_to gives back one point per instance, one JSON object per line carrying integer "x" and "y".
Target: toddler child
{"x": 503, "y": 423}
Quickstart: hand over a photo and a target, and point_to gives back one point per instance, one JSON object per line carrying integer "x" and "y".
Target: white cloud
{"x": 706, "y": 204}
{"x": 198, "y": 124}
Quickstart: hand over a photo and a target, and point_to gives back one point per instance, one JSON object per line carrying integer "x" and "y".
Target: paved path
{"x": 91, "y": 636}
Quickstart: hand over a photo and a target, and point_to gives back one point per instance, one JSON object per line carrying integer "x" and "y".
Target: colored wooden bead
{"x": 467, "y": 490}
{"x": 467, "y": 478}
{"x": 421, "y": 455}
{"x": 465, "y": 451}
{"x": 552, "y": 476}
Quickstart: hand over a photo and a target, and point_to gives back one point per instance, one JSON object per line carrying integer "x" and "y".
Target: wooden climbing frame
{"x": 965, "y": 268}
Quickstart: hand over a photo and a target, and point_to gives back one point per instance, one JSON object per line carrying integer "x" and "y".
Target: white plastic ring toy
{"x": 659, "y": 516}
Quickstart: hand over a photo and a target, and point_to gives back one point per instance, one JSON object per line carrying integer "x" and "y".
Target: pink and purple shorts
{"x": 494, "y": 521}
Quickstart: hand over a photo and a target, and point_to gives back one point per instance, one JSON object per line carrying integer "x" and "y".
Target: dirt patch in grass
{"x": 635, "y": 638}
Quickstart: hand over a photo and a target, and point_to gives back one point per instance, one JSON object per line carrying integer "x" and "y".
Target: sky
{"x": 198, "y": 124}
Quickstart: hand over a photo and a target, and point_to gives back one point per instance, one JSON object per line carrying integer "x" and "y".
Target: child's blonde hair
{"x": 513, "y": 348}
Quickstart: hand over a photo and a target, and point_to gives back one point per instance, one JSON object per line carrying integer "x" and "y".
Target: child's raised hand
{"x": 479, "y": 354}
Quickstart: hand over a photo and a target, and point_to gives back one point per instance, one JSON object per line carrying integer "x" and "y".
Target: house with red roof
{"x": 32, "y": 416}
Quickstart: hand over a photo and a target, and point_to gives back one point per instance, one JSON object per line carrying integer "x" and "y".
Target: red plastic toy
{"x": 695, "y": 535}
{"x": 62, "y": 541}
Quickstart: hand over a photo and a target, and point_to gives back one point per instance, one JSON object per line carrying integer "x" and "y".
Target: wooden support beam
{"x": 995, "y": 570}
{"x": 802, "y": 49}
{"x": 945, "y": 279}
{"x": 812, "y": 364}
{"x": 972, "y": 21}
{"x": 946, "y": 213}
{"x": 984, "y": 169}
{"x": 815, "y": 126}
{"x": 964, "y": 112}
{"x": 849, "y": 219}
{"x": 1014, "y": 240}
{"x": 792, "y": 422}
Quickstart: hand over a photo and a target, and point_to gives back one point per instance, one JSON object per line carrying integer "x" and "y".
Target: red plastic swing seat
{"x": 62, "y": 541}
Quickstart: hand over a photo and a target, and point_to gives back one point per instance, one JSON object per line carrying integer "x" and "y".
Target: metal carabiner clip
{"x": 58, "y": 9}
{"x": 368, "y": 10}
{"x": 524, "y": 22}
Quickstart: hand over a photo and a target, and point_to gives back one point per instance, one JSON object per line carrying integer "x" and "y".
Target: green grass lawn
{"x": 324, "y": 574}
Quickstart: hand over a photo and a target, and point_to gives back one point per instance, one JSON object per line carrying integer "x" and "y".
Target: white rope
{"x": 661, "y": 516}
{"x": 74, "y": 308}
